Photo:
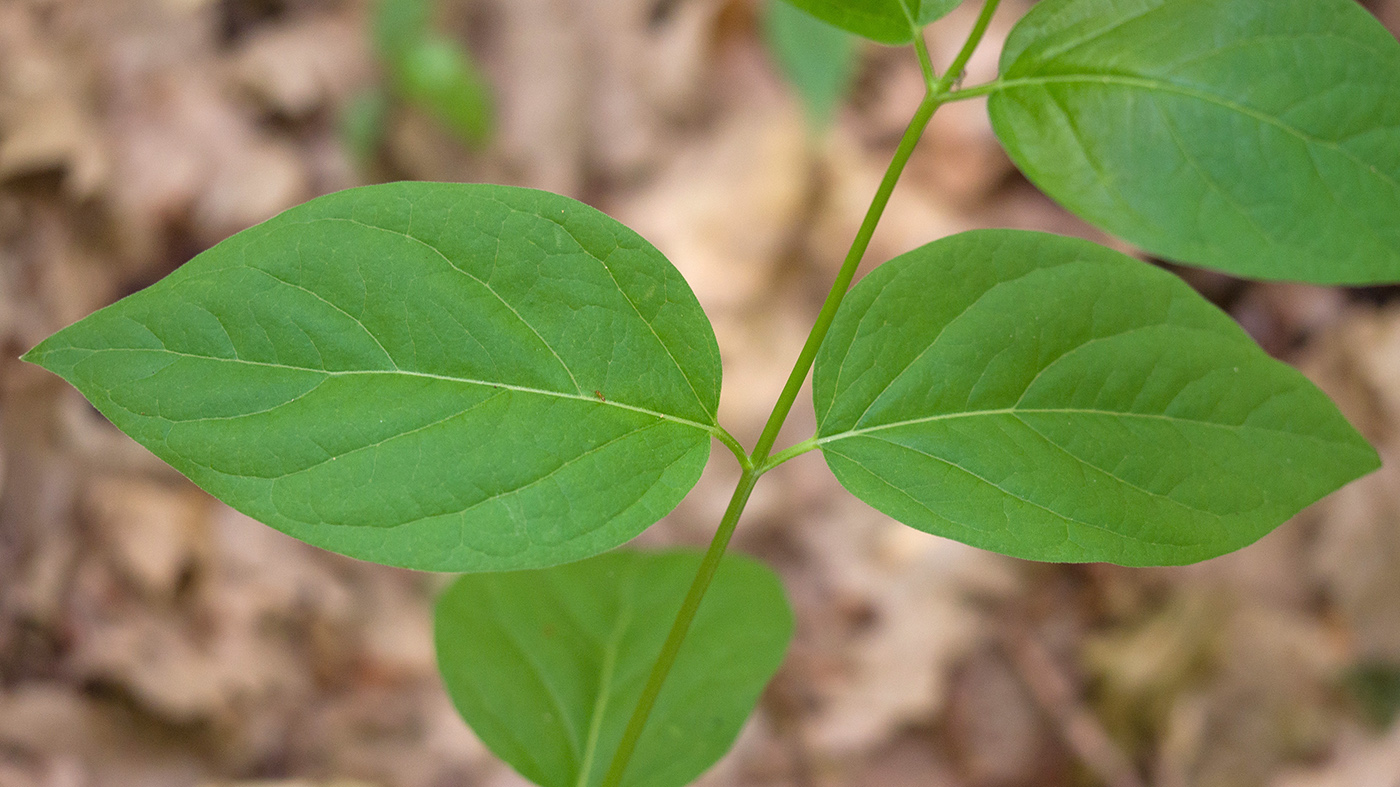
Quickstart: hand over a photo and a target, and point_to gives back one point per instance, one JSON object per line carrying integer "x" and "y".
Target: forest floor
{"x": 151, "y": 637}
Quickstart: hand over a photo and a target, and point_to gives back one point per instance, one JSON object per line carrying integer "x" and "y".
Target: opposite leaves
{"x": 1258, "y": 138}
{"x": 439, "y": 376}
{"x": 1050, "y": 399}
{"x": 546, "y": 666}
{"x": 887, "y": 21}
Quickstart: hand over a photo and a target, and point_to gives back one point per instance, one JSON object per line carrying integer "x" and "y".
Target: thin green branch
{"x": 976, "y": 91}
{"x": 784, "y": 455}
{"x": 979, "y": 29}
{"x": 911, "y": 137}
{"x": 925, "y": 62}
{"x": 735, "y": 447}
{"x": 762, "y": 458}
{"x": 672, "y": 647}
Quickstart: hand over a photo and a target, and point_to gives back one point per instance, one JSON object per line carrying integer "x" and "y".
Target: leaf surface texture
{"x": 440, "y": 376}
{"x": 1047, "y": 398}
{"x": 547, "y": 665}
{"x": 1257, "y": 138}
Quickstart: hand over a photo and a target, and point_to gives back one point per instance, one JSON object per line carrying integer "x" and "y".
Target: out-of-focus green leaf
{"x": 439, "y": 77}
{"x": 817, "y": 59}
{"x": 886, "y": 21}
{"x": 362, "y": 125}
{"x": 399, "y": 26}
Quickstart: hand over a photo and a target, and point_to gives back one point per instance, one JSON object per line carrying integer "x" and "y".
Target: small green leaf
{"x": 1047, "y": 398}
{"x": 892, "y": 22}
{"x": 817, "y": 59}
{"x": 362, "y": 125}
{"x": 546, "y": 666}
{"x": 439, "y": 376}
{"x": 1257, "y": 138}
{"x": 399, "y": 25}
{"x": 439, "y": 77}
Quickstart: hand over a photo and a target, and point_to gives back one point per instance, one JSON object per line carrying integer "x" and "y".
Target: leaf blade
{"x": 1258, "y": 140}
{"x": 817, "y": 58}
{"x": 585, "y": 634}
{"x": 892, "y": 22}
{"x": 445, "y": 391}
{"x": 1055, "y": 400}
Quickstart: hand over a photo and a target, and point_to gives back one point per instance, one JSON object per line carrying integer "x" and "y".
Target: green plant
{"x": 490, "y": 379}
{"x": 423, "y": 70}
{"x": 818, "y": 60}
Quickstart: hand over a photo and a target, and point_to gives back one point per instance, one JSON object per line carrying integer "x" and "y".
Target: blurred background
{"x": 150, "y": 636}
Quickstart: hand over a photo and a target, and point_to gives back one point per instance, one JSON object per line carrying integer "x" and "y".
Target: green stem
{"x": 672, "y": 647}
{"x": 721, "y": 434}
{"x": 974, "y": 92}
{"x": 843, "y": 280}
{"x": 788, "y": 453}
{"x": 979, "y": 29}
{"x": 936, "y": 96}
{"x": 925, "y": 62}
{"x": 762, "y": 459}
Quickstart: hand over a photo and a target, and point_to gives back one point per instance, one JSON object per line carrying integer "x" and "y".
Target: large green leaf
{"x": 818, "y": 59}
{"x": 546, "y": 666}
{"x": 887, "y": 21}
{"x": 1047, "y": 398}
{"x": 440, "y": 376}
{"x": 1258, "y": 138}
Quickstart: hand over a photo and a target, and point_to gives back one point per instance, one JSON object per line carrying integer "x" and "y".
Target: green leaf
{"x": 439, "y": 376}
{"x": 439, "y": 77}
{"x": 399, "y": 25}
{"x": 892, "y": 22}
{"x": 362, "y": 125}
{"x": 1047, "y": 398}
{"x": 546, "y": 666}
{"x": 1257, "y": 138}
{"x": 818, "y": 59}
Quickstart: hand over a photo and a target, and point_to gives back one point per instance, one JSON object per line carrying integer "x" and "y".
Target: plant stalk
{"x": 759, "y": 461}
{"x": 671, "y": 648}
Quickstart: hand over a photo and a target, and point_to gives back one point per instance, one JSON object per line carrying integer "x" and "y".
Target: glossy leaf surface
{"x": 546, "y": 666}
{"x": 1258, "y": 138}
{"x": 439, "y": 376}
{"x": 887, "y": 21}
{"x": 1047, "y": 398}
{"x": 817, "y": 59}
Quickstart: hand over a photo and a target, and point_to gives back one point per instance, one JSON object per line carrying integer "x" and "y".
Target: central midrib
{"x": 712, "y": 429}
{"x": 1017, "y": 411}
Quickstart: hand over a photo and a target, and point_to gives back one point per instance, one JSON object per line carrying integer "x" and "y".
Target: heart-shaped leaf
{"x": 547, "y": 665}
{"x": 440, "y": 376}
{"x": 887, "y": 21}
{"x": 1258, "y": 138}
{"x": 1047, "y": 398}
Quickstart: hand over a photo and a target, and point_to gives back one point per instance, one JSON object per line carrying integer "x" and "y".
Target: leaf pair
{"x": 467, "y": 377}
{"x": 483, "y": 378}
